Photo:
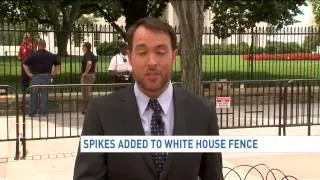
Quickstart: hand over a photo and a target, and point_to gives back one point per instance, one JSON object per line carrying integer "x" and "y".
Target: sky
{"x": 307, "y": 18}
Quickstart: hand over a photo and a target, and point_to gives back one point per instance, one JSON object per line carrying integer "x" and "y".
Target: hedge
{"x": 281, "y": 47}
{"x": 109, "y": 48}
{"x": 112, "y": 48}
{"x": 229, "y": 49}
{"x": 244, "y": 48}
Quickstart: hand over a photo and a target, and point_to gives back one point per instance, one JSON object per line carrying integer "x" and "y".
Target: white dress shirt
{"x": 166, "y": 102}
{"x": 117, "y": 63}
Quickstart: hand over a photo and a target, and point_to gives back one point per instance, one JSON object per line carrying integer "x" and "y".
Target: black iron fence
{"x": 278, "y": 103}
{"x": 239, "y": 104}
{"x": 64, "y": 118}
{"x": 9, "y": 117}
{"x": 261, "y": 54}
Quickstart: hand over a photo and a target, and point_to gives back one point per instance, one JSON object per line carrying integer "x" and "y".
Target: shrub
{"x": 273, "y": 47}
{"x": 109, "y": 48}
{"x": 310, "y": 43}
{"x": 229, "y": 49}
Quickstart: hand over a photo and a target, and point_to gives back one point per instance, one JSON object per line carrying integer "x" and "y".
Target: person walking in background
{"x": 41, "y": 66}
{"x": 88, "y": 69}
{"x": 119, "y": 68}
{"x": 26, "y": 48}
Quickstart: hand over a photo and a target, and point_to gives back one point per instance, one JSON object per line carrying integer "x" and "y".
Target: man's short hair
{"x": 87, "y": 45}
{"x": 42, "y": 43}
{"x": 152, "y": 24}
{"x": 123, "y": 46}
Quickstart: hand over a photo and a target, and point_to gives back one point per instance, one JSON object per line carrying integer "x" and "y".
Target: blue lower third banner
{"x": 197, "y": 144}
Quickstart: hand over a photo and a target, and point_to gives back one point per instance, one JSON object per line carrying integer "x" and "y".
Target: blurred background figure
{"x": 26, "y": 48}
{"x": 119, "y": 68}
{"x": 88, "y": 69}
{"x": 41, "y": 66}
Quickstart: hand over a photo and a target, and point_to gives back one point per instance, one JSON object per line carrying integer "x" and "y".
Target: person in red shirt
{"x": 26, "y": 48}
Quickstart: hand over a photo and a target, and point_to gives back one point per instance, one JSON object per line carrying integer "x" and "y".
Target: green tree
{"x": 312, "y": 40}
{"x": 58, "y": 15}
{"x": 84, "y": 22}
{"x": 316, "y": 10}
{"x": 240, "y": 16}
{"x": 61, "y": 15}
{"x": 112, "y": 10}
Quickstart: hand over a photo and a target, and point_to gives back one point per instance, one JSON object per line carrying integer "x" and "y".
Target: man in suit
{"x": 152, "y": 106}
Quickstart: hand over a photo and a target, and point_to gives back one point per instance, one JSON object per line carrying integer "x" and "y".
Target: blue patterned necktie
{"x": 157, "y": 129}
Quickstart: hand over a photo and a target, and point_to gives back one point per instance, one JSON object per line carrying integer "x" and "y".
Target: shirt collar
{"x": 121, "y": 55}
{"x": 164, "y": 99}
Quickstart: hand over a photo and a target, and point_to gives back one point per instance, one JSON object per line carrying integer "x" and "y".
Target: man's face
{"x": 84, "y": 49}
{"x": 151, "y": 58}
{"x": 124, "y": 51}
{"x": 26, "y": 38}
{"x": 26, "y": 35}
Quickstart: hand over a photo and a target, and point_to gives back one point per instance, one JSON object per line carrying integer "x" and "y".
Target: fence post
{"x": 285, "y": 101}
{"x": 280, "y": 108}
{"x": 309, "y": 110}
{"x": 23, "y": 139}
{"x": 17, "y": 155}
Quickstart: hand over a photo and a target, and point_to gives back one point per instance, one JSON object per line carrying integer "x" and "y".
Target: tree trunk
{"x": 64, "y": 27}
{"x": 190, "y": 14}
{"x": 63, "y": 32}
{"x": 62, "y": 42}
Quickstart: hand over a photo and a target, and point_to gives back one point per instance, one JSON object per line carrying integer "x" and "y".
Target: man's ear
{"x": 174, "y": 55}
{"x": 129, "y": 57}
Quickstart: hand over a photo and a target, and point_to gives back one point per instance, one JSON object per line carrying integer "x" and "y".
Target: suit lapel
{"x": 180, "y": 112}
{"x": 132, "y": 119}
{"x": 180, "y": 119}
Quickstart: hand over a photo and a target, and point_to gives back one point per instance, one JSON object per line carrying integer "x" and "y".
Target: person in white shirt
{"x": 119, "y": 67}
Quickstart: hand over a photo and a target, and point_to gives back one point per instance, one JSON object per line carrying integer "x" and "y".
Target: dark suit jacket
{"x": 117, "y": 114}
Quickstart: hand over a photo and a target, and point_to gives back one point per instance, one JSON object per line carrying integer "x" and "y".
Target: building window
{"x": 240, "y": 38}
{"x": 55, "y": 43}
{"x": 78, "y": 38}
{"x": 96, "y": 39}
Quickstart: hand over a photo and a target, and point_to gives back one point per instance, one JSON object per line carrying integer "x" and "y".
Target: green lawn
{"x": 230, "y": 67}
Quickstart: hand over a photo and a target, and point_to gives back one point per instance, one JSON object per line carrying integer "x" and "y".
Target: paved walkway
{"x": 54, "y": 159}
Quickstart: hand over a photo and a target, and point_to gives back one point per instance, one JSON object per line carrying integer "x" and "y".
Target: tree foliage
{"x": 112, "y": 10}
{"x": 84, "y": 22}
{"x": 52, "y": 13}
{"x": 316, "y": 10}
{"x": 228, "y": 16}
{"x": 59, "y": 15}
{"x": 313, "y": 40}
{"x": 242, "y": 15}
